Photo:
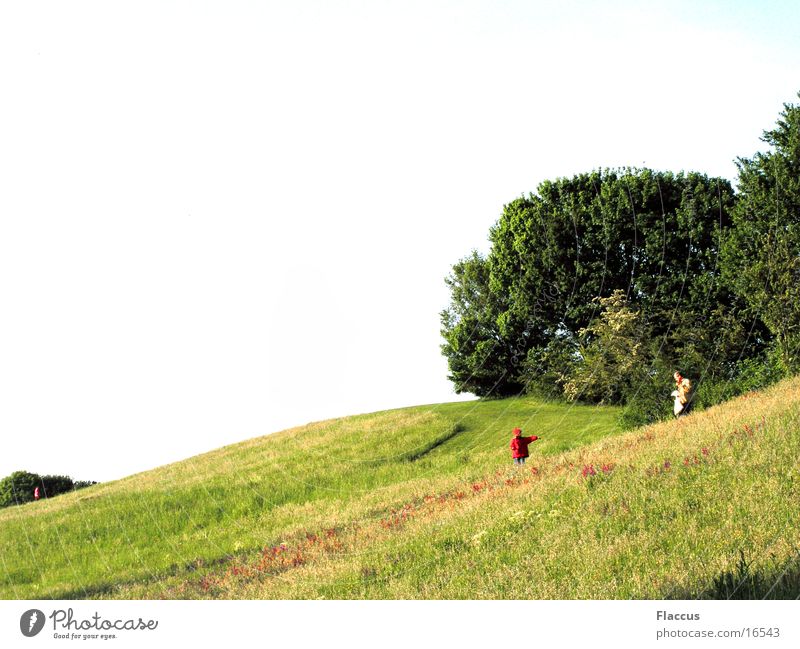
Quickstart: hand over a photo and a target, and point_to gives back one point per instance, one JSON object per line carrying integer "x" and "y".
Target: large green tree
{"x": 653, "y": 235}
{"x": 762, "y": 254}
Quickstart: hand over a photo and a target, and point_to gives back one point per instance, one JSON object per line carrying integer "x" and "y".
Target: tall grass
{"x": 203, "y": 511}
{"x": 423, "y": 503}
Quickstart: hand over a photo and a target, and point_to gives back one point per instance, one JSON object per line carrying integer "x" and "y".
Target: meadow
{"x": 424, "y": 502}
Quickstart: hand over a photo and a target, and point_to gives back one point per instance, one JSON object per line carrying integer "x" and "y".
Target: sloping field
{"x": 424, "y": 503}
{"x": 148, "y": 531}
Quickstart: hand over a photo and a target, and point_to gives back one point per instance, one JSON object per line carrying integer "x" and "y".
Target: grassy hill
{"x": 424, "y": 502}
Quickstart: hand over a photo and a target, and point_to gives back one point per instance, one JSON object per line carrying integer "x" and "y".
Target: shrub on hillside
{"x": 649, "y": 399}
{"x": 612, "y": 352}
{"x": 749, "y": 374}
{"x": 82, "y": 484}
{"x": 18, "y": 488}
{"x": 53, "y": 485}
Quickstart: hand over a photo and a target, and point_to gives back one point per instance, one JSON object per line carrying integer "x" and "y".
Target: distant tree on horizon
{"x": 18, "y": 488}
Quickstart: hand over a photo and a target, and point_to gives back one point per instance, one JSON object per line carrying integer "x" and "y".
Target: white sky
{"x": 218, "y": 220}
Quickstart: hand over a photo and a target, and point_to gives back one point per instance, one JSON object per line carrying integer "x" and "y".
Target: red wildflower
{"x": 705, "y": 451}
{"x": 588, "y": 470}
{"x": 607, "y": 468}
{"x": 667, "y": 465}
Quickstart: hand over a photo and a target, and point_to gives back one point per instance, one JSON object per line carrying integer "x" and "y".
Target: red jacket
{"x": 519, "y": 445}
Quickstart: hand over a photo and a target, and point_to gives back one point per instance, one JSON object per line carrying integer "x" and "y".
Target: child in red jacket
{"x": 519, "y": 446}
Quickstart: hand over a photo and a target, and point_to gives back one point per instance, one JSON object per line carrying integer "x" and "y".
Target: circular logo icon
{"x": 31, "y": 622}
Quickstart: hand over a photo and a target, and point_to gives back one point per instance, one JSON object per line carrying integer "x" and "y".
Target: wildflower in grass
{"x": 535, "y": 470}
{"x": 607, "y": 468}
{"x": 704, "y": 451}
{"x": 588, "y": 470}
{"x": 686, "y": 461}
{"x": 667, "y": 465}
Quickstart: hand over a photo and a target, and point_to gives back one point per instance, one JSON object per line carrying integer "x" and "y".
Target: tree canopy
{"x": 762, "y": 255}
{"x": 652, "y": 235}
{"x": 674, "y": 270}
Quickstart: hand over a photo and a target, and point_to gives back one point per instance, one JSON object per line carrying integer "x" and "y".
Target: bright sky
{"x": 218, "y": 220}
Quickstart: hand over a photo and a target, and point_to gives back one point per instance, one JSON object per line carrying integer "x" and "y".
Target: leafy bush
{"x": 748, "y": 374}
{"x": 648, "y": 400}
{"x": 18, "y": 488}
{"x": 82, "y": 484}
{"x": 53, "y": 485}
{"x": 612, "y": 351}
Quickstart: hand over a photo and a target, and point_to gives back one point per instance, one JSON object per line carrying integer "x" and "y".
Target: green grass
{"x": 149, "y": 527}
{"x": 424, "y": 503}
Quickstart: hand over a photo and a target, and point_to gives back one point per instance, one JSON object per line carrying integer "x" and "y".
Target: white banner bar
{"x": 371, "y": 624}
